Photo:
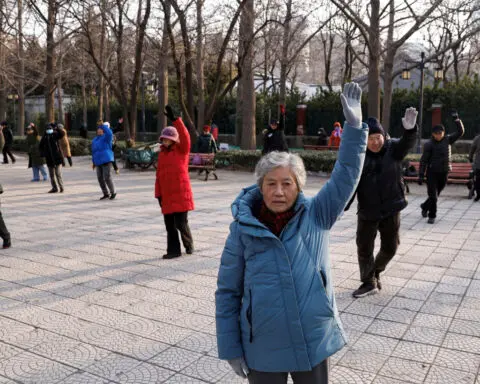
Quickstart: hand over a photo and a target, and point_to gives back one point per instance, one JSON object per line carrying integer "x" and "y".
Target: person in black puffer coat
{"x": 50, "y": 149}
{"x": 7, "y": 148}
{"x": 274, "y": 137}
{"x": 206, "y": 142}
{"x": 436, "y": 163}
{"x": 381, "y": 197}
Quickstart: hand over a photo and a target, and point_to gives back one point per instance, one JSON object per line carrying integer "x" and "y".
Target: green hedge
{"x": 78, "y": 146}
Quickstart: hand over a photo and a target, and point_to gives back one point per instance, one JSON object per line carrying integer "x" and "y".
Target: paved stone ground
{"x": 85, "y": 297}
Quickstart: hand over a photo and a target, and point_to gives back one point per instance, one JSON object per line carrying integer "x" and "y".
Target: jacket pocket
{"x": 323, "y": 283}
{"x": 249, "y": 316}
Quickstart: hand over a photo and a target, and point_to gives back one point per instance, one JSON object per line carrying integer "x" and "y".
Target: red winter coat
{"x": 173, "y": 182}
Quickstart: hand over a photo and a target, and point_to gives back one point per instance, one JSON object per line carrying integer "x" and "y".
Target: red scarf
{"x": 275, "y": 221}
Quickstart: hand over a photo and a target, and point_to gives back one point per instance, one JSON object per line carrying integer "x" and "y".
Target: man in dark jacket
{"x": 7, "y": 148}
{"x": 381, "y": 197}
{"x": 474, "y": 158}
{"x": 206, "y": 143}
{"x": 436, "y": 163}
{"x": 50, "y": 149}
{"x": 274, "y": 137}
{"x": 4, "y": 234}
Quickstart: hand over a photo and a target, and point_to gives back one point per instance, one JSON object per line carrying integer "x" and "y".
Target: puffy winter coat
{"x": 335, "y": 138}
{"x": 65, "y": 144}
{"x": 381, "y": 191}
{"x": 437, "y": 155}
{"x": 33, "y": 142}
{"x": 172, "y": 184}
{"x": 50, "y": 149}
{"x": 206, "y": 143}
{"x": 8, "y": 135}
{"x": 102, "y": 147}
{"x": 2, "y": 140}
{"x": 275, "y": 303}
{"x": 274, "y": 139}
{"x": 475, "y": 153}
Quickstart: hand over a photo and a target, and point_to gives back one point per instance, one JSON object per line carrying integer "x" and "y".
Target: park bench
{"x": 320, "y": 148}
{"x": 203, "y": 162}
{"x": 143, "y": 156}
{"x": 461, "y": 173}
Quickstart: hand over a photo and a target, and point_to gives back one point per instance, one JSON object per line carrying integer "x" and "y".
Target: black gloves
{"x": 159, "y": 201}
{"x": 169, "y": 113}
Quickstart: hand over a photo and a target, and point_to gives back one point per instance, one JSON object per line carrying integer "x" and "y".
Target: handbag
{"x": 197, "y": 159}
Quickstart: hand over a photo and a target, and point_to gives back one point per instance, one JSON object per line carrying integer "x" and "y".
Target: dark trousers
{"x": 70, "y": 162}
{"x": 436, "y": 181}
{"x": 56, "y": 177}
{"x": 4, "y": 234}
{"x": 178, "y": 222}
{"x": 389, "y": 227}
{"x": 319, "y": 375}
{"x": 7, "y": 151}
{"x": 104, "y": 177}
{"x": 477, "y": 182}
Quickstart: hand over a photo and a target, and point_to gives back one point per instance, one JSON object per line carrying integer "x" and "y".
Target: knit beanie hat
{"x": 374, "y": 126}
{"x": 438, "y": 128}
{"x": 170, "y": 133}
{"x": 206, "y": 128}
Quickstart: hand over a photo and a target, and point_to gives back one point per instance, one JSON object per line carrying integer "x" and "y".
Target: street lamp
{"x": 438, "y": 74}
{"x": 406, "y": 76}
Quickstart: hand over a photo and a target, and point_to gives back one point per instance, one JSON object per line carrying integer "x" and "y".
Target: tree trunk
{"x": 374, "y": 61}
{"x": 84, "y": 95}
{"x": 284, "y": 58}
{"x": 163, "y": 75}
{"x": 248, "y": 108}
{"x": 200, "y": 68}
{"x": 327, "y": 42}
{"x": 50, "y": 62}
{"x": 101, "y": 80}
{"x": 107, "y": 102}
{"x": 388, "y": 70}
{"x": 21, "y": 71}
{"x": 60, "y": 97}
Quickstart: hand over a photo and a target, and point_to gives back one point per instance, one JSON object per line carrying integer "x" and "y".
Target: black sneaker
{"x": 169, "y": 256}
{"x": 7, "y": 244}
{"x": 189, "y": 251}
{"x": 379, "y": 284}
{"x": 61, "y": 190}
{"x": 53, "y": 191}
{"x": 112, "y": 196}
{"x": 365, "y": 290}
{"x": 105, "y": 197}
{"x": 477, "y": 198}
{"x": 424, "y": 213}
{"x": 431, "y": 220}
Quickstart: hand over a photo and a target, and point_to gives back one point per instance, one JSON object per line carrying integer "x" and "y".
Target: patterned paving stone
{"x": 182, "y": 379}
{"x": 175, "y": 358}
{"x": 207, "y": 369}
{"x": 403, "y": 316}
{"x": 112, "y": 366}
{"x": 145, "y": 374}
{"x": 84, "y": 378}
{"x": 387, "y": 328}
{"x": 376, "y": 344}
{"x": 342, "y": 375}
{"x": 465, "y": 327}
{"x": 425, "y": 335}
{"x": 440, "y": 375}
{"x": 32, "y": 369}
{"x": 419, "y": 352}
{"x": 407, "y": 370}
{"x": 363, "y": 361}
{"x": 462, "y": 361}
{"x": 462, "y": 343}
{"x": 432, "y": 321}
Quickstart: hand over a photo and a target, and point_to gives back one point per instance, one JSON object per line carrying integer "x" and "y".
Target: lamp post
{"x": 406, "y": 76}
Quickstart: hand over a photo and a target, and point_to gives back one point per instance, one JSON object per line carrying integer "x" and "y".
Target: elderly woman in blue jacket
{"x": 275, "y": 305}
{"x": 102, "y": 157}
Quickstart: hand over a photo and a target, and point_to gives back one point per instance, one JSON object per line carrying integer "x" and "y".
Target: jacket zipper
{"x": 249, "y": 316}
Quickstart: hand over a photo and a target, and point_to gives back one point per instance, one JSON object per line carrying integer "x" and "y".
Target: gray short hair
{"x": 276, "y": 159}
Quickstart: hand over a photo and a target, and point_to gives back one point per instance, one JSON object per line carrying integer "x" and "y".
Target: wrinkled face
{"x": 100, "y": 132}
{"x": 279, "y": 189}
{"x": 375, "y": 142}
{"x": 439, "y": 135}
{"x": 167, "y": 142}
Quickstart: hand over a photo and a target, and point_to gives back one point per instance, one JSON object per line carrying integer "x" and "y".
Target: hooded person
{"x": 322, "y": 138}
{"x": 102, "y": 158}
{"x": 274, "y": 136}
{"x": 7, "y": 143}
{"x": 65, "y": 144}
{"x": 436, "y": 163}
{"x": 381, "y": 197}
{"x": 206, "y": 142}
{"x": 172, "y": 185}
{"x": 35, "y": 159}
{"x": 336, "y": 135}
{"x": 50, "y": 149}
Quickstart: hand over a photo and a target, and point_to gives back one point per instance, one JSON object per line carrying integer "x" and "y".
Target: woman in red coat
{"x": 172, "y": 185}
{"x": 336, "y": 136}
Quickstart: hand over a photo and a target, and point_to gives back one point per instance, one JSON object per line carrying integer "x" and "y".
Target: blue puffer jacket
{"x": 275, "y": 304}
{"x": 102, "y": 152}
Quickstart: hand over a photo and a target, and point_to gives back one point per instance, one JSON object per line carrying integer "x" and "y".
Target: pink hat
{"x": 170, "y": 133}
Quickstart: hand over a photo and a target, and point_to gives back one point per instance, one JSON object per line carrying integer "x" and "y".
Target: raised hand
{"x": 169, "y": 113}
{"x": 409, "y": 121}
{"x": 351, "y": 102}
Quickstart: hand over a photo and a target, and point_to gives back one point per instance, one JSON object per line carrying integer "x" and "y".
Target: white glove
{"x": 239, "y": 366}
{"x": 351, "y": 102}
{"x": 410, "y": 119}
